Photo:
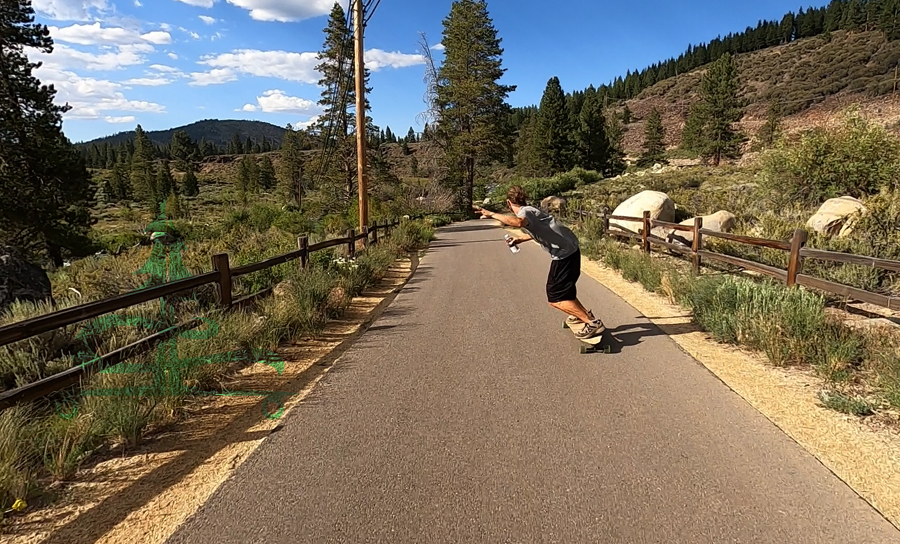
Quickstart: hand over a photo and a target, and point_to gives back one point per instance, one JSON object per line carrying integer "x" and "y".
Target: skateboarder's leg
{"x": 561, "y": 287}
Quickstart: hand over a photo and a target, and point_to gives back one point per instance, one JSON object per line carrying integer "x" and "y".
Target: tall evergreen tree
{"x": 654, "y": 141}
{"x": 471, "y": 103}
{"x": 553, "y": 130}
{"x": 183, "y": 150}
{"x": 337, "y": 123}
{"x": 142, "y": 176}
{"x": 592, "y": 142}
{"x": 291, "y": 168}
{"x": 720, "y": 109}
{"x": 266, "y": 174}
{"x": 190, "y": 186}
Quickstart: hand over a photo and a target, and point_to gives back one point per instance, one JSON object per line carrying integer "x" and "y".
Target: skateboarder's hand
{"x": 484, "y": 213}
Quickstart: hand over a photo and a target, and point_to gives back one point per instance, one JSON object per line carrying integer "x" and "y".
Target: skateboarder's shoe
{"x": 590, "y": 330}
{"x": 571, "y": 321}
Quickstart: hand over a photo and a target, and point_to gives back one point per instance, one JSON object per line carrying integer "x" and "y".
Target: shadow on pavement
{"x": 630, "y": 335}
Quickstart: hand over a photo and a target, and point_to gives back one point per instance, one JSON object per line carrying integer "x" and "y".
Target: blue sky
{"x": 166, "y": 63}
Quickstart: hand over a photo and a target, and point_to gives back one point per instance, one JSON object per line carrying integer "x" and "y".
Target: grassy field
{"x": 38, "y": 447}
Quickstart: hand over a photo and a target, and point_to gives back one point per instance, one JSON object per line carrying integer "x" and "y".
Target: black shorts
{"x": 563, "y": 275}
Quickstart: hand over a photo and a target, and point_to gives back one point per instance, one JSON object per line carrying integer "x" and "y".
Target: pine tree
{"x": 654, "y": 141}
{"x": 553, "y": 130}
{"x": 615, "y": 134}
{"x": 770, "y": 131}
{"x": 471, "y": 104}
{"x": 291, "y": 168}
{"x": 165, "y": 183}
{"x": 190, "y": 186}
{"x": 121, "y": 184}
{"x": 592, "y": 142}
{"x": 266, "y": 174}
{"x": 183, "y": 150}
{"x": 720, "y": 110}
{"x": 143, "y": 179}
{"x": 337, "y": 123}
{"x": 692, "y": 133}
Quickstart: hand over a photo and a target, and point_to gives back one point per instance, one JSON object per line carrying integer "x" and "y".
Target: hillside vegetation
{"x": 216, "y": 131}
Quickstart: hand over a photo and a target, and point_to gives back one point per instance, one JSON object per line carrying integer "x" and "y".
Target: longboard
{"x": 593, "y": 344}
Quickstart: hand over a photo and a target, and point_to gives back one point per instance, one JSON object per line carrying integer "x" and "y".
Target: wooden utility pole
{"x": 358, "y": 18}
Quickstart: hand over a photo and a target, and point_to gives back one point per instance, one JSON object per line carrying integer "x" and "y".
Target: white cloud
{"x": 207, "y": 19}
{"x": 165, "y": 26}
{"x": 148, "y": 81}
{"x": 303, "y": 125}
{"x": 95, "y": 34}
{"x": 300, "y": 67}
{"x": 173, "y": 56}
{"x": 438, "y": 47}
{"x": 283, "y": 10}
{"x": 376, "y": 59}
{"x": 65, "y": 57}
{"x": 70, "y": 10}
{"x": 137, "y": 3}
{"x": 195, "y": 35}
{"x": 199, "y": 3}
{"x": 213, "y": 77}
{"x": 157, "y": 37}
{"x": 91, "y": 98}
{"x": 125, "y": 119}
{"x": 279, "y": 64}
{"x": 164, "y": 68}
{"x": 247, "y": 107}
{"x": 275, "y": 101}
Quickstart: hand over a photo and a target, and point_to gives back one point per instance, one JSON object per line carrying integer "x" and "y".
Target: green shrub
{"x": 540, "y": 188}
{"x": 18, "y": 459}
{"x": 412, "y": 235}
{"x": 858, "y": 159}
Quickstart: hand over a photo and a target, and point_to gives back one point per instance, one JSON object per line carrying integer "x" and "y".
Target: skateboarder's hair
{"x": 517, "y": 195}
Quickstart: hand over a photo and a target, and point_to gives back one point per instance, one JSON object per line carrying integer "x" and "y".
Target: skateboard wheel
{"x": 584, "y": 350}
{"x": 565, "y": 325}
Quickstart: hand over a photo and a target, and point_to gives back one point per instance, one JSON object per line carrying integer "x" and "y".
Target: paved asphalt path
{"x": 466, "y": 414}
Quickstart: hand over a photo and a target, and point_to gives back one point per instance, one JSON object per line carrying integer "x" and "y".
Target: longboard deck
{"x": 594, "y": 344}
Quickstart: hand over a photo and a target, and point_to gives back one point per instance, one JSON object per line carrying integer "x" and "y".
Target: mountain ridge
{"x": 217, "y": 131}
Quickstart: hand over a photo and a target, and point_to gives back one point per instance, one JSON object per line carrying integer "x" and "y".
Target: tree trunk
{"x": 55, "y": 253}
{"x": 469, "y": 183}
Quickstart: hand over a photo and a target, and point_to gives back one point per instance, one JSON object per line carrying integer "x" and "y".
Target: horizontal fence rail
{"x": 797, "y": 253}
{"x": 221, "y": 276}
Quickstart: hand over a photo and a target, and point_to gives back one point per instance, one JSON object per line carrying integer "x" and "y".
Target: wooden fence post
{"x": 365, "y": 232}
{"x": 605, "y": 224}
{"x": 220, "y": 264}
{"x": 646, "y": 232}
{"x": 794, "y": 264}
{"x": 351, "y": 245}
{"x": 374, "y": 232}
{"x": 696, "y": 244}
{"x": 303, "y": 246}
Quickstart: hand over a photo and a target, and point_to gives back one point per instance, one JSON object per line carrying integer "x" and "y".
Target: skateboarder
{"x": 565, "y": 255}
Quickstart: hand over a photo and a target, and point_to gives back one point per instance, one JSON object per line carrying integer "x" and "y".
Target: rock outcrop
{"x": 657, "y": 203}
{"x": 837, "y": 216}
{"x": 553, "y": 204}
{"x": 721, "y": 221}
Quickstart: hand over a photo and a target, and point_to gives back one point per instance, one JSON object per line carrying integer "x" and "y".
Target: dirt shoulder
{"x": 146, "y": 494}
{"x": 866, "y": 458}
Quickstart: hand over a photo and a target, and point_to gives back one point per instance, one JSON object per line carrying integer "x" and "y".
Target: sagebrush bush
{"x": 859, "y": 158}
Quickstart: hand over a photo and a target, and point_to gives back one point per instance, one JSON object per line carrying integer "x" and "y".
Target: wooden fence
{"x": 222, "y": 276}
{"x": 797, "y": 253}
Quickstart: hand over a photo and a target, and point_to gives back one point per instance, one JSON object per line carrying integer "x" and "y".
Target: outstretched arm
{"x": 509, "y": 220}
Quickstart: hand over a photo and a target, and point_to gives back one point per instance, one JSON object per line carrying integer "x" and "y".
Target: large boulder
{"x": 721, "y": 221}
{"x": 658, "y": 204}
{"x": 21, "y": 280}
{"x": 553, "y": 204}
{"x": 837, "y": 216}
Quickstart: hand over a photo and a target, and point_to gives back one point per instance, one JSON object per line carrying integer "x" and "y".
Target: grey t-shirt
{"x": 555, "y": 238}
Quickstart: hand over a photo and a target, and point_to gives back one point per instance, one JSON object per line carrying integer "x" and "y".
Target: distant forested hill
{"x": 218, "y": 132}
